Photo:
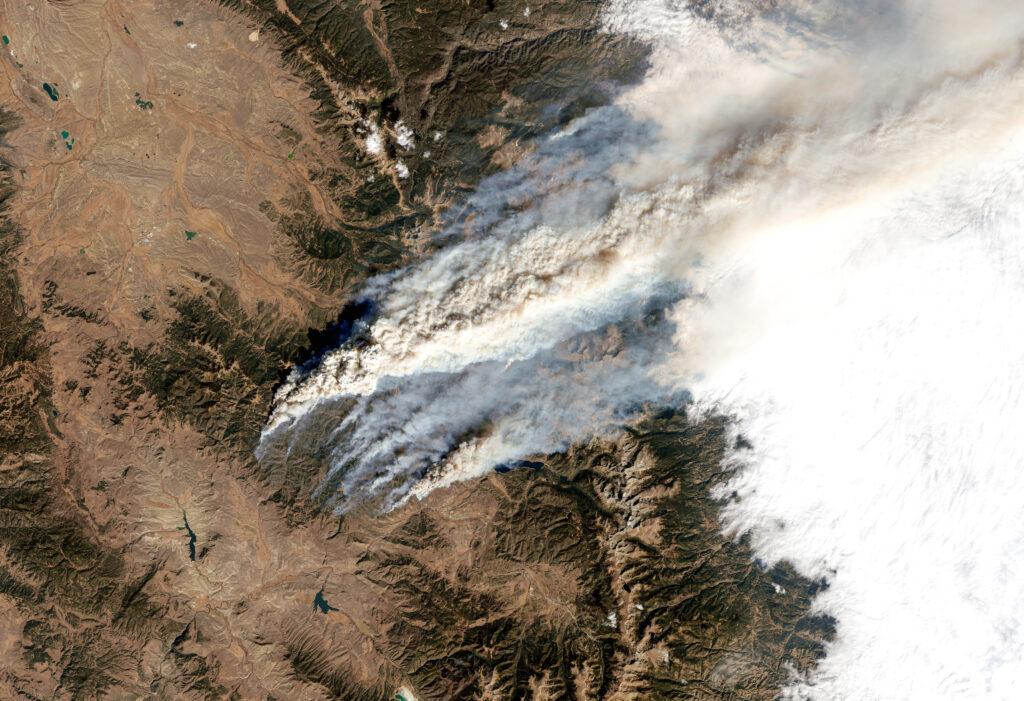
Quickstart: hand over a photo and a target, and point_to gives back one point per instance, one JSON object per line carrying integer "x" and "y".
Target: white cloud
{"x": 840, "y": 189}
{"x": 374, "y": 142}
{"x": 404, "y": 135}
{"x": 871, "y": 358}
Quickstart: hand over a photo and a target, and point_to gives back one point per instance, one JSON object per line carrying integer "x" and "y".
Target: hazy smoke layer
{"x": 807, "y": 216}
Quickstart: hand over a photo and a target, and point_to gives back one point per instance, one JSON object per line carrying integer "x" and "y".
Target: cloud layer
{"x": 807, "y": 216}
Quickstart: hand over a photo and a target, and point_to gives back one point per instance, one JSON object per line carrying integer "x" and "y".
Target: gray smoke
{"x": 750, "y": 114}
{"x": 808, "y": 216}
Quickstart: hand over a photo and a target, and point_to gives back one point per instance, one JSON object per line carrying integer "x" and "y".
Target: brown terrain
{"x": 189, "y": 188}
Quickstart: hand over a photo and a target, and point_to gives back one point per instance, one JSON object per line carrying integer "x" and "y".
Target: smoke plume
{"x": 807, "y": 216}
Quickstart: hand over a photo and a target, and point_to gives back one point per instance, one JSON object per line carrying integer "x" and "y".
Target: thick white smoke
{"x": 825, "y": 199}
{"x": 477, "y": 350}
